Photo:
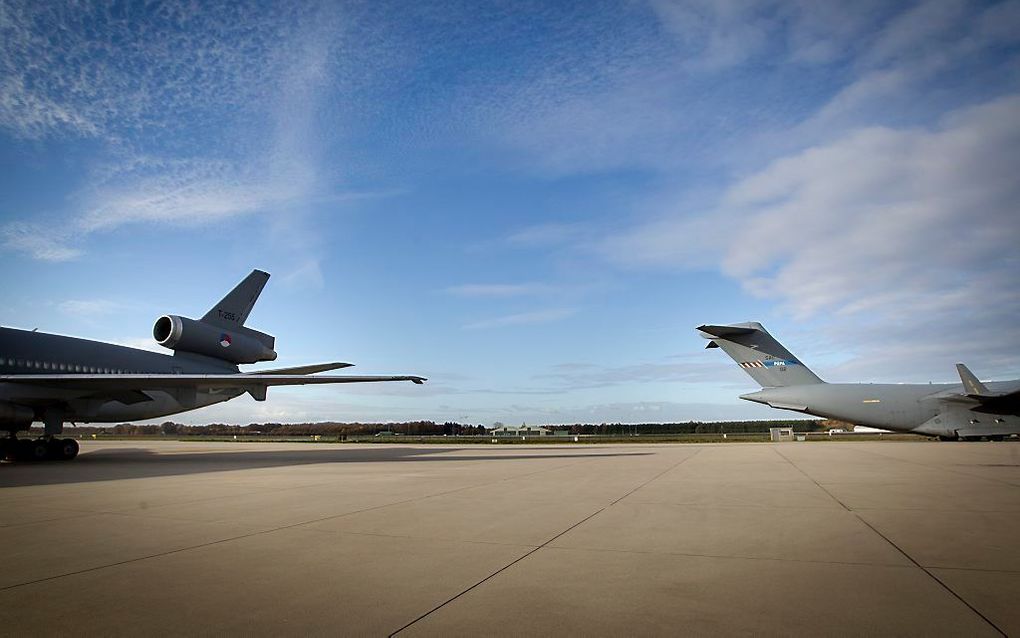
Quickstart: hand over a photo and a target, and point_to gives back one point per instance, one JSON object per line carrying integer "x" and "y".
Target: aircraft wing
{"x": 1002, "y": 398}
{"x": 129, "y": 382}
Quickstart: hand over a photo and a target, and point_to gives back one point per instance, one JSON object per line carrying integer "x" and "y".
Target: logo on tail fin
{"x": 225, "y": 340}
{"x": 773, "y": 363}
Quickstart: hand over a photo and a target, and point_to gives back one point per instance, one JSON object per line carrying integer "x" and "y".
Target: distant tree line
{"x": 690, "y": 427}
{"x": 431, "y": 428}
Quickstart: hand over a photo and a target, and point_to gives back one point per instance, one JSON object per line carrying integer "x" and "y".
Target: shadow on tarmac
{"x": 129, "y": 463}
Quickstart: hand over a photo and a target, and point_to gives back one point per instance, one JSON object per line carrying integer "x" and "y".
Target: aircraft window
{"x": 46, "y": 365}
{"x": 77, "y": 368}
{"x": 21, "y": 362}
{"x": 63, "y": 367}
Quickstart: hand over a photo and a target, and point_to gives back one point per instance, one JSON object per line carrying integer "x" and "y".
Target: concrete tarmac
{"x": 811, "y": 538}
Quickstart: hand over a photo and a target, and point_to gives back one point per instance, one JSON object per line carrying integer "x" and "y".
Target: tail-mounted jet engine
{"x": 237, "y": 345}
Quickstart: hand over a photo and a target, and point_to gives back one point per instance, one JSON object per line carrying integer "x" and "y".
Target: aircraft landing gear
{"x": 43, "y": 449}
{"x": 63, "y": 449}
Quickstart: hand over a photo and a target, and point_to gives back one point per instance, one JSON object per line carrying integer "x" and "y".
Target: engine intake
{"x": 242, "y": 345}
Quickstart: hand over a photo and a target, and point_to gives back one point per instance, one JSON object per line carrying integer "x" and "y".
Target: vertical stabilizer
{"x": 971, "y": 384}
{"x": 233, "y": 310}
{"x": 759, "y": 354}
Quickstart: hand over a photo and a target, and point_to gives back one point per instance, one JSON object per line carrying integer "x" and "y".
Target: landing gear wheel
{"x": 36, "y": 450}
{"x": 996, "y": 437}
{"x": 6, "y": 449}
{"x": 64, "y": 449}
{"x": 947, "y": 438}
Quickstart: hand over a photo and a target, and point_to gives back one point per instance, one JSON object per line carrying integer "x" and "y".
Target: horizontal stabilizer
{"x": 725, "y": 331}
{"x": 309, "y": 369}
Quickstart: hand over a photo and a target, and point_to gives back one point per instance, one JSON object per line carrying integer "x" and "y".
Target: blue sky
{"x": 532, "y": 204}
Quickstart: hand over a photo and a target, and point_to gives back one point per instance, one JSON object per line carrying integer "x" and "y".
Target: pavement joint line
{"x": 79, "y": 513}
{"x": 471, "y": 541}
{"x": 742, "y": 507}
{"x": 935, "y": 578}
{"x": 270, "y": 531}
{"x": 897, "y": 547}
{"x": 66, "y": 517}
{"x": 732, "y": 557}
{"x": 975, "y": 569}
{"x": 940, "y": 468}
{"x": 935, "y": 509}
{"x": 543, "y": 545}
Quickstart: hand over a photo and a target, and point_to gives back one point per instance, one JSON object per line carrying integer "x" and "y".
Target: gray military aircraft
{"x": 56, "y": 379}
{"x": 971, "y": 410}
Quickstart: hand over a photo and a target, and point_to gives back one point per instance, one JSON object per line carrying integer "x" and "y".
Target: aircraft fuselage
{"x": 24, "y": 352}
{"x": 913, "y": 408}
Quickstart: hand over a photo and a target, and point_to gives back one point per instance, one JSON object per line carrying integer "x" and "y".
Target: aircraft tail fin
{"x": 971, "y": 384}
{"x": 233, "y": 310}
{"x": 759, "y": 354}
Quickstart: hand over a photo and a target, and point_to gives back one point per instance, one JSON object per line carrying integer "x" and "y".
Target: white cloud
{"x": 306, "y": 275}
{"x": 716, "y": 34}
{"x": 500, "y": 290}
{"x": 197, "y": 114}
{"x": 879, "y": 228}
{"x": 39, "y": 241}
{"x": 103, "y": 70}
{"x": 542, "y": 235}
{"x": 686, "y": 369}
{"x": 89, "y": 308}
{"x": 182, "y": 193}
{"x": 141, "y": 343}
{"x": 523, "y": 318}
